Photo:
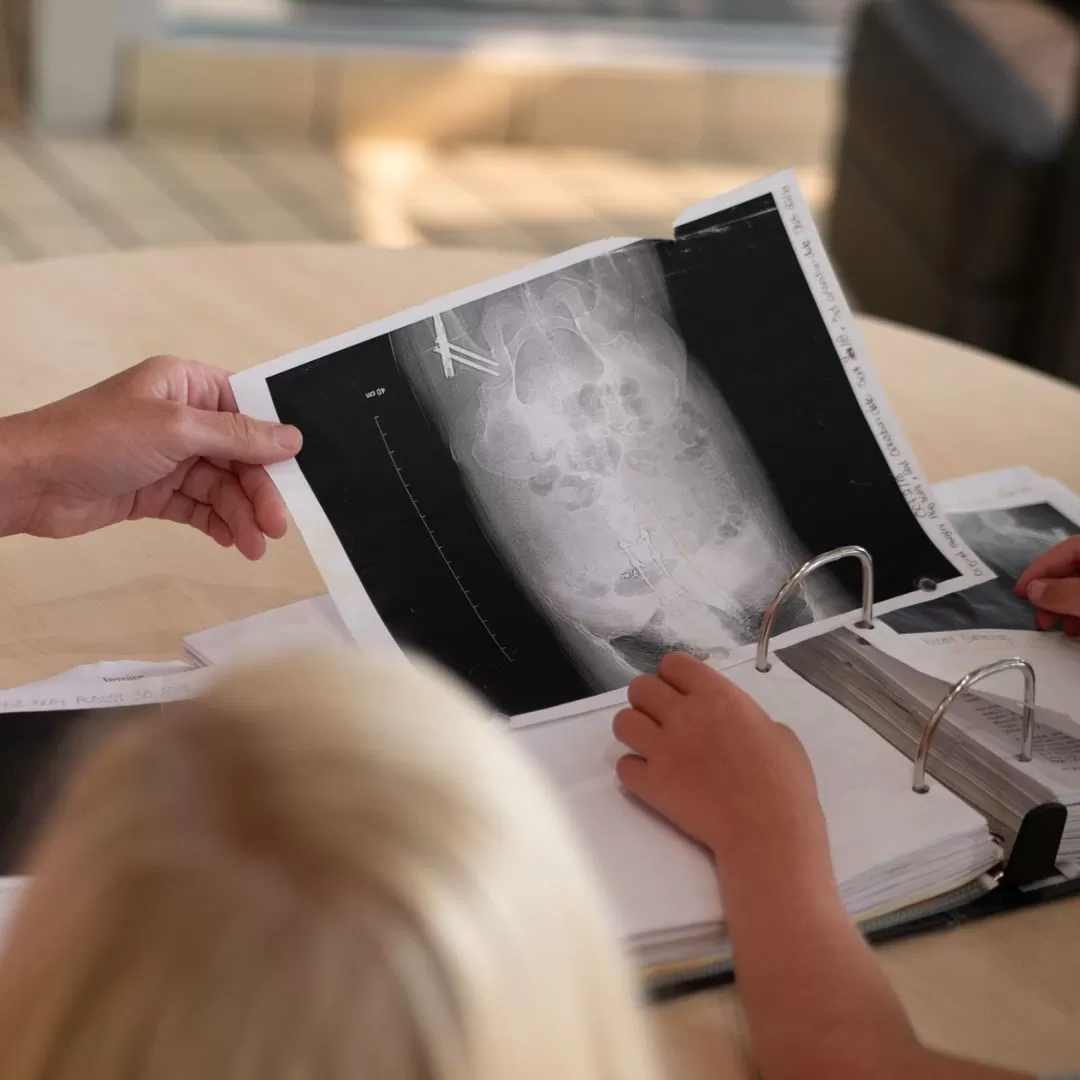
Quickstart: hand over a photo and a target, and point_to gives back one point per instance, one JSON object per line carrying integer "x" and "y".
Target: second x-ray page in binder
{"x": 1008, "y": 519}
{"x": 890, "y": 847}
{"x": 548, "y": 480}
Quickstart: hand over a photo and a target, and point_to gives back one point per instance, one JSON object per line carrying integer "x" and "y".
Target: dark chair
{"x": 958, "y": 174}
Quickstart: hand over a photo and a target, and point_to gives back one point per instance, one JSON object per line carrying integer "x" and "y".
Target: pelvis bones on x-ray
{"x": 609, "y": 471}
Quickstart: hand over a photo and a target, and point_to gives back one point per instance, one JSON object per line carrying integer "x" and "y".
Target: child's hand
{"x": 709, "y": 759}
{"x": 1052, "y": 584}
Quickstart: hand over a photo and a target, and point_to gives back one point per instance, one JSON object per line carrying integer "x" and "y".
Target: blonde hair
{"x": 333, "y": 867}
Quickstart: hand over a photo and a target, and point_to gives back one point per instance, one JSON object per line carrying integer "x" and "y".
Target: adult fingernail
{"x": 287, "y": 437}
{"x": 1036, "y": 591}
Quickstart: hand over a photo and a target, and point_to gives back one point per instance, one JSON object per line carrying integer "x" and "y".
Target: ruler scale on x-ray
{"x": 434, "y": 539}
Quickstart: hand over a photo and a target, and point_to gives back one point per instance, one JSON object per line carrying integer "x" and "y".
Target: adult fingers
{"x": 222, "y": 492}
{"x": 233, "y": 436}
{"x": 1058, "y": 595}
{"x": 1060, "y": 560}
{"x": 184, "y": 510}
{"x": 654, "y": 697}
{"x": 1046, "y": 620}
{"x": 264, "y": 496}
{"x": 635, "y": 731}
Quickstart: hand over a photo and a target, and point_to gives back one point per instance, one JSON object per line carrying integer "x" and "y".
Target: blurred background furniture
{"x": 532, "y": 125}
{"x": 958, "y": 170}
{"x": 14, "y": 38}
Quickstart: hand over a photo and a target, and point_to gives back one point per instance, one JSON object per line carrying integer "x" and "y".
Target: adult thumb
{"x": 238, "y": 438}
{"x": 1058, "y": 595}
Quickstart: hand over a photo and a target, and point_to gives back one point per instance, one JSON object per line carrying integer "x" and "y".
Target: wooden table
{"x": 1006, "y": 990}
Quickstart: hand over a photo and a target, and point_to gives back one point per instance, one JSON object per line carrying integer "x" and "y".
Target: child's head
{"x": 332, "y": 868}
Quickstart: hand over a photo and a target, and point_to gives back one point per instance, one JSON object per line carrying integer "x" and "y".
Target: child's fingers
{"x": 687, "y": 674}
{"x": 1060, "y": 595}
{"x": 1070, "y": 625}
{"x": 633, "y": 774}
{"x": 1046, "y": 620}
{"x": 635, "y": 731}
{"x": 1061, "y": 559}
{"x": 682, "y": 671}
{"x": 654, "y": 697}
{"x": 695, "y": 678}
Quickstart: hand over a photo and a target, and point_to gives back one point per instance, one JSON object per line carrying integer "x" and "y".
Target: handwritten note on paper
{"x": 89, "y": 692}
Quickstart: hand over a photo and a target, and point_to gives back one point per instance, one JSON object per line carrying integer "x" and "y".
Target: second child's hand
{"x": 1052, "y": 584}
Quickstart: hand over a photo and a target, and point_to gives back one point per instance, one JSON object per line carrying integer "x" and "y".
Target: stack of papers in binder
{"x": 890, "y": 848}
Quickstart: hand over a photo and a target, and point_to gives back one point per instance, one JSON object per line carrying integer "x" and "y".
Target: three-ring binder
{"x": 1032, "y": 852}
{"x": 853, "y": 551}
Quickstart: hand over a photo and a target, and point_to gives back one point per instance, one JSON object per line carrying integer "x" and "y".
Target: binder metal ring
{"x": 793, "y": 582}
{"x": 918, "y": 780}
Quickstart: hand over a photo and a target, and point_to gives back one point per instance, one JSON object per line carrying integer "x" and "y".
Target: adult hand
{"x": 1052, "y": 584}
{"x": 160, "y": 440}
{"x": 708, "y": 758}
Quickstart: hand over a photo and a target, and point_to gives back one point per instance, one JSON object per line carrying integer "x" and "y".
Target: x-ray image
{"x": 1008, "y": 541}
{"x": 607, "y": 469}
{"x": 551, "y": 485}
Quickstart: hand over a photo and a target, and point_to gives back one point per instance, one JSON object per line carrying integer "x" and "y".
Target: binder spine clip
{"x": 1034, "y": 850}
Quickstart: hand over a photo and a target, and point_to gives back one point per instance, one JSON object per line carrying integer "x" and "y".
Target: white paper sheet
{"x": 306, "y": 624}
{"x": 108, "y": 685}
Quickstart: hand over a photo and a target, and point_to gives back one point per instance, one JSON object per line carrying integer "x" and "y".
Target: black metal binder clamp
{"x": 918, "y": 782}
{"x": 796, "y": 579}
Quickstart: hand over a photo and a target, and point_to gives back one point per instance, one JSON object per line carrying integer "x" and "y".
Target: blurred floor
{"x": 64, "y": 196}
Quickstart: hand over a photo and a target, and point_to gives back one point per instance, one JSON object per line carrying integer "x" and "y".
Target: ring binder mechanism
{"x": 918, "y": 781}
{"x": 1030, "y": 850}
{"x": 852, "y": 551}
